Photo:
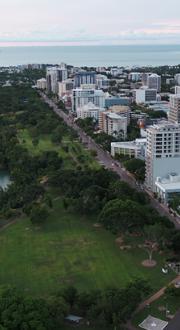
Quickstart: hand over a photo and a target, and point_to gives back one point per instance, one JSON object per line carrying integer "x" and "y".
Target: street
{"x": 105, "y": 159}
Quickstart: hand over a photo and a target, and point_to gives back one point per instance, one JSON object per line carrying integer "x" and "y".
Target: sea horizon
{"x": 91, "y": 55}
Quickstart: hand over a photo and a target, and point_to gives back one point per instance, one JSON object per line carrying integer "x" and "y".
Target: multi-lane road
{"x": 105, "y": 159}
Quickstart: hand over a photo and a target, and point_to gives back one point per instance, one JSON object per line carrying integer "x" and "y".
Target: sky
{"x": 89, "y": 22}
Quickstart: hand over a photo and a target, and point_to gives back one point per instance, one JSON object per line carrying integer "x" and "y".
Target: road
{"x": 108, "y": 162}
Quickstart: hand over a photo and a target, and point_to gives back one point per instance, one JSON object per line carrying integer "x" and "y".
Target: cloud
{"x": 90, "y": 21}
{"x": 161, "y": 32}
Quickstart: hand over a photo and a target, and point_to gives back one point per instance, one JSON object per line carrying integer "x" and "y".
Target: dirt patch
{"x": 97, "y": 225}
{"x": 119, "y": 240}
{"x": 125, "y": 247}
{"x": 149, "y": 263}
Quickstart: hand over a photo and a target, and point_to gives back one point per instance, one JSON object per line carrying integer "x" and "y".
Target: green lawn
{"x": 70, "y": 158}
{"x": 68, "y": 250}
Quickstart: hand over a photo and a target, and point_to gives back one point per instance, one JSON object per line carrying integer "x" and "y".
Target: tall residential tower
{"x": 163, "y": 152}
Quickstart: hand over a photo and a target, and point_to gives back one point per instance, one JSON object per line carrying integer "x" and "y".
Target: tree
{"x": 35, "y": 142}
{"x": 118, "y": 215}
{"x": 19, "y": 312}
{"x": 57, "y": 135}
{"x": 39, "y": 214}
{"x": 152, "y": 239}
{"x": 70, "y": 294}
{"x": 136, "y": 167}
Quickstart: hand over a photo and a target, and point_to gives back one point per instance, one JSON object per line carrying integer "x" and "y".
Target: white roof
{"x": 114, "y": 115}
{"x": 129, "y": 144}
{"x": 152, "y": 323}
{"x": 89, "y": 106}
{"x": 170, "y": 183}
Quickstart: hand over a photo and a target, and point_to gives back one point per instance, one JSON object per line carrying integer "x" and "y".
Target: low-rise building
{"x": 41, "y": 83}
{"x": 113, "y": 124}
{"x": 168, "y": 187}
{"x": 160, "y": 106}
{"x": 110, "y": 101}
{"x": 132, "y": 149}
{"x": 122, "y": 110}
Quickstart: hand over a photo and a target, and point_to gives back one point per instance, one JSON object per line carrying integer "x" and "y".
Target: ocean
{"x": 142, "y": 55}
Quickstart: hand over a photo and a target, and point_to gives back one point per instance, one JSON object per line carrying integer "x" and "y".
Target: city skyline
{"x": 96, "y": 22}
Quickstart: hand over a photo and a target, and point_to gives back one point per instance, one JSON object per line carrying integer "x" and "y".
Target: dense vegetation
{"x": 108, "y": 308}
{"x": 26, "y": 76}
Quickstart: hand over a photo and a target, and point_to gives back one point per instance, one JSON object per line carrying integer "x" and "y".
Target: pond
{"x": 4, "y": 179}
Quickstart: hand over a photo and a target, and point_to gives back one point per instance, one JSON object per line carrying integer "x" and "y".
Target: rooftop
{"x": 113, "y": 115}
{"x": 73, "y": 318}
{"x": 152, "y": 323}
{"x": 170, "y": 183}
{"x": 163, "y": 125}
{"x": 89, "y": 106}
{"x": 130, "y": 144}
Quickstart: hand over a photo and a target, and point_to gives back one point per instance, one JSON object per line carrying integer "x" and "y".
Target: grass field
{"x": 68, "y": 250}
{"x": 76, "y": 154}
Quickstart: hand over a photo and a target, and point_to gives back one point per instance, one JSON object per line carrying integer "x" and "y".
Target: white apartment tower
{"x": 177, "y": 78}
{"x": 83, "y": 96}
{"x": 174, "y": 114}
{"x": 145, "y": 95}
{"x": 177, "y": 89}
{"x": 163, "y": 152}
{"x": 154, "y": 82}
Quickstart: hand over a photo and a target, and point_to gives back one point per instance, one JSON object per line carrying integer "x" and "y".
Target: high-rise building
{"x": 116, "y": 71}
{"x": 145, "y": 95}
{"x": 84, "y": 78}
{"x": 177, "y": 78}
{"x": 89, "y": 111}
{"x": 82, "y": 96}
{"x": 163, "y": 152}
{"x": 144, "y": 78}
{"x": 65, "y": 87}
{"x": 102, "y": 82}
{"x": 177, "y": 89}
{"x": 53, "y": 76}
{"x": 174, "y": 114}
{"x": 154, "y": 82}
{"x": 135, "y": 76}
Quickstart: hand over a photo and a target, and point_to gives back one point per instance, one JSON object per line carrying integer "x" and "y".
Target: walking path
{"x": 149, "y": 301}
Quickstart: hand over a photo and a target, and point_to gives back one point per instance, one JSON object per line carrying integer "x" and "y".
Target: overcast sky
{"x": 90, "y": 21}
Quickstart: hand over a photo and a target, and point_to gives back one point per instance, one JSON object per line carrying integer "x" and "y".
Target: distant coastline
{"x": 124, "y": 55}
